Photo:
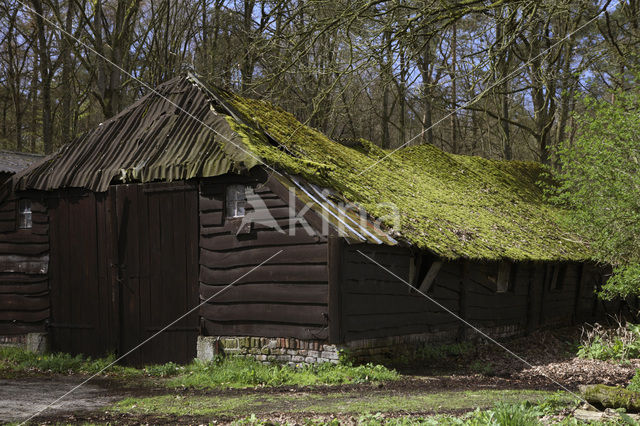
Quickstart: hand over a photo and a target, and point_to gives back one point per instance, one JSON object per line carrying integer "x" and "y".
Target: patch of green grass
{"x": 502, "y": 413}
{"x": 13, "y": 359}
{"x": 223, "y": 372}
{"x": 356, "y": 403}
{"x": 242, "y": 372}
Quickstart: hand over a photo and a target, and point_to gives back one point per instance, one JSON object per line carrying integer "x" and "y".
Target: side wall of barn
{"x": 379, "y": 314}
{"x": 270, "y": 309}
{"x": 24, "y": 264}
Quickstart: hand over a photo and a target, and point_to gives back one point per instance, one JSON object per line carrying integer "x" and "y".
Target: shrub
{"x": 618, "y": 343}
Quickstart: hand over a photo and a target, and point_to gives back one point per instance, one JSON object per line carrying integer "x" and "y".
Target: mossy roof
{"x": 453, "y": 205}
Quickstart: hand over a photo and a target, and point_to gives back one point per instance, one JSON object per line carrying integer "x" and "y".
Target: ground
{"x": 107, "y": 401}
{"x": 480, "y": 378}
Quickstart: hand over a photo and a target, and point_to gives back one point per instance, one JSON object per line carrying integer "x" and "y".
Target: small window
{"x": 236, "y": 200}
{"x": 24, "y": 214}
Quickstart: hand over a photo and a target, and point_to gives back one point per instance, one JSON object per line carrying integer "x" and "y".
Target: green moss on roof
{"x": 454, "y": 205}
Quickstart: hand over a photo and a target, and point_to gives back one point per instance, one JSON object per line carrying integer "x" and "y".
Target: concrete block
{"x": 37, "y": 342}
{"x": 206, "y": 348}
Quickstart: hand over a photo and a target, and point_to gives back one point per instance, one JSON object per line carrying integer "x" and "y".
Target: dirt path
{"x": 22, "y": 398}
{"x": 117, "y": 402}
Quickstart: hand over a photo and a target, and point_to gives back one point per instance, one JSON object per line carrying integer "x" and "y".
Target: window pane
{"x": 235, "y": 200}
{"x": 239, "y": 208}
{"x": 24, "y": 214}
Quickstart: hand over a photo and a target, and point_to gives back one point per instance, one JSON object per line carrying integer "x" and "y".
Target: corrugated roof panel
{"x": 170, "y": 134}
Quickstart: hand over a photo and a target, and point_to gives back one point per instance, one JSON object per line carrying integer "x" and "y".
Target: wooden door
{"x": 157, "y": 253}
{"x": 83, "y": 302}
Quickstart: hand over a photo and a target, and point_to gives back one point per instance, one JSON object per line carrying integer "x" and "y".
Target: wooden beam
{"x": 334, "y": 263}
{"x": 428, "y": 280}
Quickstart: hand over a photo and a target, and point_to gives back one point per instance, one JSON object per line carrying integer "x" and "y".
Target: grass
{"x": 551, "y": 410}
{"x": 353, "y": 403}
{"x": 241, "y": 372}
{"x": 223, "y": 372}
{"x": 17, "y": 360}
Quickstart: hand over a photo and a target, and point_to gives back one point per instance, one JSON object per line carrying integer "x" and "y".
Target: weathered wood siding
{"x": 374, "y": 303}
{"x": 485, "y": 306}
{"x": 83, "y": 300}
{"x": 124, "y": 266}
{"x": 286, "y": 297}
{"x": 24, "y": 263}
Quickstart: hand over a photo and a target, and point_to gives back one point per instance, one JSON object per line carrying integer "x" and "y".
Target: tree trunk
{"x": 247, "y": 63}
{"x": 67, "y": 80}
{"x": 454, "y": 100}
{"x": 33, "y": 98}
{"x": 45, "y": 74}
{"x": 402, "y": 97}
{"x": 386, "y": 80}
{"x": 424, "y": 66}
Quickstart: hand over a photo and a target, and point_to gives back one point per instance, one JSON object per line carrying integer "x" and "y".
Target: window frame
{"x": 24, "y": 214}
{"x": 235, "y": 201}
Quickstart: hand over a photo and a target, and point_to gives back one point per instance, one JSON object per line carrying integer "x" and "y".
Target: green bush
{"x": 617, "y": 343}
{"x": 634, "y": 384}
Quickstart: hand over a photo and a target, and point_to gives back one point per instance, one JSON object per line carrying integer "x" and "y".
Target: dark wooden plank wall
{"x": 124, "y": 265}
{"x": 83, "y": 299}
{"x": 157, "y": 252}
{"x": 24, "y": 263}
{"x": 287, "y": 297}
{"x": 488, "y": 308}
{"x": 376, "y": 304}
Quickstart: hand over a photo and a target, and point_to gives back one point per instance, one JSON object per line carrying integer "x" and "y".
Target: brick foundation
{"x": 268, "y": 350}
{"x": 297, "y": 352}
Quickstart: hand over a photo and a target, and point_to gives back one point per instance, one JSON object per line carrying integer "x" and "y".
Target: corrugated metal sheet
{"x": 156, "y": 138}
{"x": 13, "y": 162}
{"x": 349, "y": 220}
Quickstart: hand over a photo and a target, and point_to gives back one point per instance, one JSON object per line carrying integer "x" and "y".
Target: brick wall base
{"x": 268, "y": 350}
{"x": 34, "y": 342}
{"x": 295, "y": 352}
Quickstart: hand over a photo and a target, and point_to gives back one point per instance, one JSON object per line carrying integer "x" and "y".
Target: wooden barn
{"x": 190, "y": 188}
